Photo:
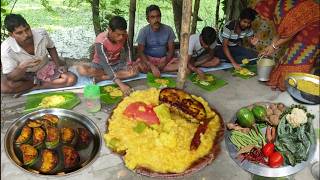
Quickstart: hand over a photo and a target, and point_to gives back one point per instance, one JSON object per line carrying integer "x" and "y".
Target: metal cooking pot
{"x": 301, "y": 95}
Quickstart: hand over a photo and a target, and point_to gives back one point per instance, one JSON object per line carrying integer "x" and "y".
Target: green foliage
{"x": 112, "y": 8}
{"x": 4, "y": 11}
{"x": 45, "y": 3}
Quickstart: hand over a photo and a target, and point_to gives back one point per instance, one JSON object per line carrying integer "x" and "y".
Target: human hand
{"x": 163, "y": 64}
{"x": 269, "y": 50}
{"x": 254, "y": 40}
{"x": 62, "y": 69}
{"x": 201, "y": 74}
{"x": 155, "y": 70}
{"x": 236, "y": 66}
{"x": 126, "y": 90}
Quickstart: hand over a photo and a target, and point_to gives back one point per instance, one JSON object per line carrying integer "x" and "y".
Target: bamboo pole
{"x": 184, "y": 43}
{"x": 131, "y": 25}
{"x": 217, "y": 13}
{"x": 195, "y": 16}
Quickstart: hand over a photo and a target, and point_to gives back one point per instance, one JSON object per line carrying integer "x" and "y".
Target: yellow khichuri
{"x": 164, "y": 147}
{"x": 113, "y": 91}
{"x": 162, "y": 81}
{"x": 245, "y": 72}
{"x": 306, "y": 86}
{"x": 52, "y": 101}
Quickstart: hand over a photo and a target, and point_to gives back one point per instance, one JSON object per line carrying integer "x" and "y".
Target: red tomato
{"x": 275, "y": 160}
{"x": 140, "y": 111}
{"x": 268, "y": 149}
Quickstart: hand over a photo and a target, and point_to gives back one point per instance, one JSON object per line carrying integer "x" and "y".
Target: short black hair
{"x": 12, "y": 21}
{"x": 117, "y": 22}
{"x": 152, "y": 8}
{"x": 208, "y": 35}
{"x": 248, "y": 13}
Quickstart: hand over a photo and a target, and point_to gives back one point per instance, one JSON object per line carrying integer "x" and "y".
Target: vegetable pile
{"x": 295, "y": 134}
{"x": 272, "y": 135}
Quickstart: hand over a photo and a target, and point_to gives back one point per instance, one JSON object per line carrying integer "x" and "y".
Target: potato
{"x": 277, "y": 112}
{"x": 274, "y": 120}
{"x": 269, "y": 112}
{"x": 273, "y": 106}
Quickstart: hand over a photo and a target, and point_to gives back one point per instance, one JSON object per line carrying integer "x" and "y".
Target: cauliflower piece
{"x": 297, "y": 117}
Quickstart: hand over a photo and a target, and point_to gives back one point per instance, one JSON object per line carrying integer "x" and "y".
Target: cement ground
{"x": 227, "y": 100}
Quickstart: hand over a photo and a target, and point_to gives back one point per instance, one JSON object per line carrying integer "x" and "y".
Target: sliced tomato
{"x": 140, "y": 111}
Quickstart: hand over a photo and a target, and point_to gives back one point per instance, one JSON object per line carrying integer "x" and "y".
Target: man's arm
{"x": 170, "y": 51}
{"x": 54, "y": 55}
{"x": 193, "y": 68}
{"x": 141, "y": 54}
{"x": 19, "y": 72}
{"x": 104, "y": 61}
{"x": 226, "y": 51}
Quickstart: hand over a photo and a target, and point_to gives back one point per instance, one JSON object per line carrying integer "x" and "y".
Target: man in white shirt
{"x": 25, "y": 61}
{"x": 201, "y": 50}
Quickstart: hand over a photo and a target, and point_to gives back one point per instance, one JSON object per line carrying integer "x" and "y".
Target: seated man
{"x": 25, "y": 62}
{"x": 231, "y": 35}
{"x": 201, "y": 50}
{"x": 156, "y": 45}
{"x": 111, "y": 59}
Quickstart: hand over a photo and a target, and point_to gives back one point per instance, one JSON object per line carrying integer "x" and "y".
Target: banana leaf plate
{"x": 33, "y": 101}
{"x": 252, "y": 68}
{"x": 166, "y": 81}
{"x": 208, "y": 85}
{"x": 105, "y": 96}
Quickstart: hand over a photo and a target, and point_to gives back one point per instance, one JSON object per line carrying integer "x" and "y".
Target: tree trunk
{"x": 131, "y": 25}
{"x": 217, "y": 13}
{"x": 184, "y": 43}
{"x": 195, "y": 16}
{"x": 177, "y": 14}
{"x": 95, "y": 16}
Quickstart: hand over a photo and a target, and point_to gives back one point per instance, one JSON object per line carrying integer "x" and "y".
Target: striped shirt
{"x": 228, "y": 32}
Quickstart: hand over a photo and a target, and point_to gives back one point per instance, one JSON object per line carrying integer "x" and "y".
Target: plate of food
{"x": 160, "y": 82}
{"x": 52, "y": 142}
{"x": 110, "y": 94}
{"x": 304, "y": 87}
{"x": 65, "y": 100}
{"x": 161, "y": 135}
{"x": 270, "y": 139}
{"x": 211, "y": 82}
{"x": 245, "y": 72}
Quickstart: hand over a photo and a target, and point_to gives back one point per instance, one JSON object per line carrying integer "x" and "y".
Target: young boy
{"x": 110, "y": 59}
{"x": 231, "y": 35}
{"x": 201, "y": 50}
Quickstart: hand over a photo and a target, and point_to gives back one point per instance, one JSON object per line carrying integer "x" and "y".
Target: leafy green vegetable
{"x": 294, "y": 143}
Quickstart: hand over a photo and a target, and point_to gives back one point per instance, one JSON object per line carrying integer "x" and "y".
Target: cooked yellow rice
{"x": 306, "y": 86}
{"x": 162, "y": 148}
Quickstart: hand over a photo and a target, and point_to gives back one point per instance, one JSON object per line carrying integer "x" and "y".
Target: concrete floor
{"x": 227, "y": 100}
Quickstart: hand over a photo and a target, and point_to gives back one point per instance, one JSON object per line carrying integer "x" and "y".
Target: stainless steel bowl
{"x": 301, "y": 95}
{"x": 263, "y": 170}
{"x": 67, "y": 119}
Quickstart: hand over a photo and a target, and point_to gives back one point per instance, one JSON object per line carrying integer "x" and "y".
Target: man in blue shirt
{"x": 156, "y": 45}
